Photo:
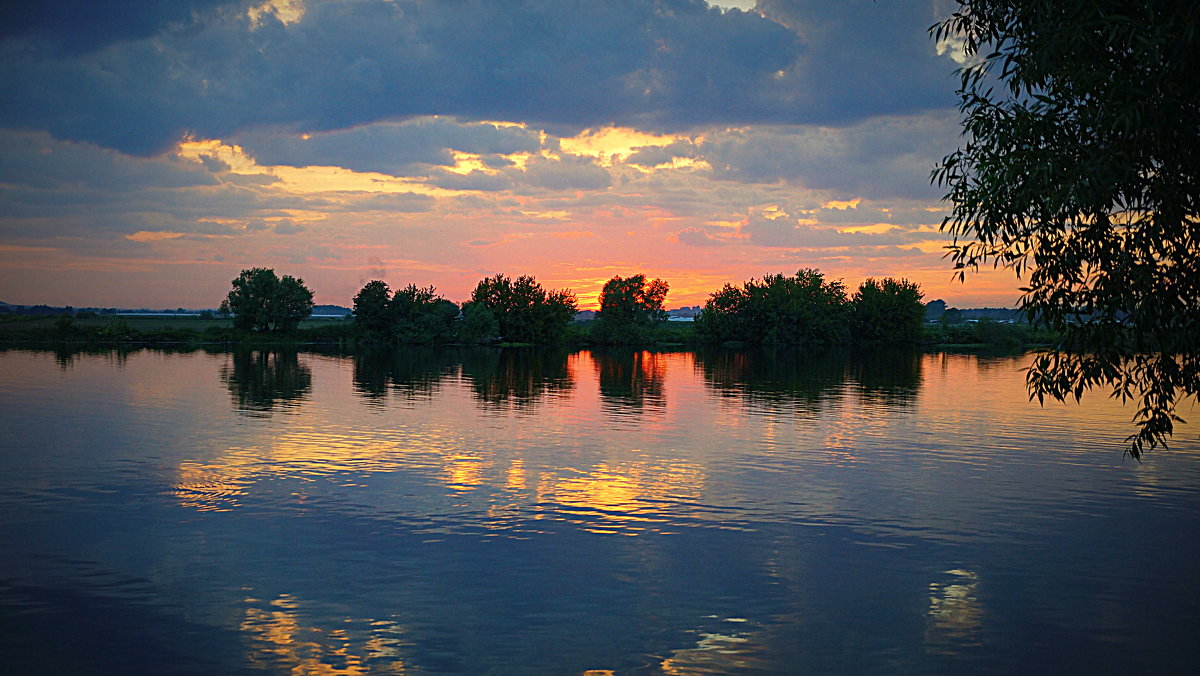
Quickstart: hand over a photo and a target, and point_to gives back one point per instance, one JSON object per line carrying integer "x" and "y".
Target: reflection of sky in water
{"x": 626, "y": 511}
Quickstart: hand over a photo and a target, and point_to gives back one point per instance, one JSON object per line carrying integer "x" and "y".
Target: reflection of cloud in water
{"x": 278, "y": 640}
{"x": 718, "y": 652}
{"x": 464, "y": 472}
{"x": 955, "y": 614}
{"x": 214, "y": 487}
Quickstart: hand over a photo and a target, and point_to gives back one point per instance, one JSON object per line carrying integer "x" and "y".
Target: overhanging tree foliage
{"x": 1079, "y": 171}
{"x": 261, "y": 301}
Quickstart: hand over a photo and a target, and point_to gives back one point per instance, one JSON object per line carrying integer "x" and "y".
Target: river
{"x": 551, "y": 512}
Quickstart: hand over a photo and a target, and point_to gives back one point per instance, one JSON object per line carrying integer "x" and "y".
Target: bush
{"x": 886, "y": 313}
{"x": 802, "y": 310}
{"x": 630, "y": 311}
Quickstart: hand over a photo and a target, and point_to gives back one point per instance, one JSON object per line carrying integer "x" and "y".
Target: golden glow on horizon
{"x": 519, "y": 160}
{"x": 233, "y": 156}
{"x": 499, "y": 230}
{"x": 553, "y": 215}
{"x": 772, "y": 211}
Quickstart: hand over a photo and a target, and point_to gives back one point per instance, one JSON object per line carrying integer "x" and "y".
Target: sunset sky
{"x": 151, "y": 149}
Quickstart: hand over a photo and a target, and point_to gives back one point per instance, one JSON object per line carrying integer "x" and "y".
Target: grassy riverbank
{"x": 197, "y": 331}
{"x": 164, "y": 330}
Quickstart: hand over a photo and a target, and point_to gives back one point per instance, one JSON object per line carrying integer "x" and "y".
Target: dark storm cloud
{"x": 83, "y": 25}
{"x": 655, "y": 64}
{"x": 38, "y": 161}
{"x": 568, "y": 172}
{"x": 884, "y": 157}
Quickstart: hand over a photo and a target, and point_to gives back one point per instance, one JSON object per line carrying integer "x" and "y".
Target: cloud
{"x": 286, "y": 227}
{"x": 782, "y": 231}
{"x": 883, "y": 157}
{"x": 654, "y": 65}
{"x": 693, "y": 236}
{"x": 567, "y": 172}
{"x": 37, "y": 160}
{"x": 84, "y": 25}
{"x": 389, "y": 148}
{"x": 652, "y": 156}
{"x": 395, "y": 202}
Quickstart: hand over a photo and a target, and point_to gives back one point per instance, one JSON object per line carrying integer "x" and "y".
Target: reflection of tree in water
{"x": 259, "y": 381}
{"x": 65, "y": 356}
{"x": 630, "y": 377}
{"x": 794, "y": 379}
{"x": 409, "y": 372}
{"x": 888, "y": 377}
{"x": 805, "y": 381}
{"x": 518, "y": 377}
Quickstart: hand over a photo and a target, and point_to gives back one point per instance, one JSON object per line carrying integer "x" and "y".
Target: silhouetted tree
{"x": 525, "y": 312}
{"x": 478, "y": 324}
{"x": 413, "y": 315}
{"x": 630, "y": 309}
{"x": 371, "y": 309}
{"x": 887, "y": 312}
{"x": 260, "y": 301}
{"x": 420, "y": 315}
{"x": 802, "y": 310}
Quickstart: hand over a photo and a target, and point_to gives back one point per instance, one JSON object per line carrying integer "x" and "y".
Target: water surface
{"x": 478, "y": 511}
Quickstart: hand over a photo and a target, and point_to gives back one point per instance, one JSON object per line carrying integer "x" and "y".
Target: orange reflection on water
{"x": 214, "y": 487}
{"x": 464, "y": 472}
{"x": 622, "y": 498}
{"x": 307, "y": 453}
{"x": 515, "y": 479}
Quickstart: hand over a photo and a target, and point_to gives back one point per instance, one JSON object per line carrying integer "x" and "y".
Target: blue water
{"x": 529, "y": 512}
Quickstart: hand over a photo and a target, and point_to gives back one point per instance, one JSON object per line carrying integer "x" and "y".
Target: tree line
{"x": 801, "y": 310}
